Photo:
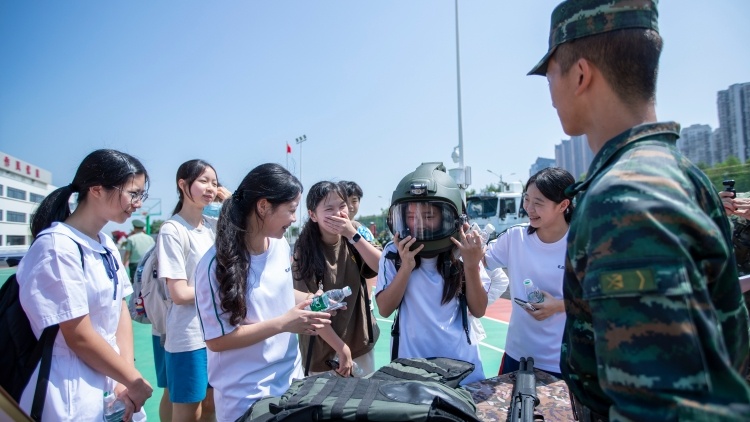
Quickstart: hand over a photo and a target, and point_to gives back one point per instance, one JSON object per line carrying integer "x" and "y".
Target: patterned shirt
{"x": 656, "y": 327}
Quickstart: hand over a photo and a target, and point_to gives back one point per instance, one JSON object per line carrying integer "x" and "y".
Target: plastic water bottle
{"x": 357, "y": 372}
{"x": 483, "y": 233}
{"x": 114, "y": 408}
{"x": 533, "y": 293}
{"x": 323, "y": 302}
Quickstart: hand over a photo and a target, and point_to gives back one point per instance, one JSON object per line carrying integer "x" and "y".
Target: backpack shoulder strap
{"x": 395, "y": 332}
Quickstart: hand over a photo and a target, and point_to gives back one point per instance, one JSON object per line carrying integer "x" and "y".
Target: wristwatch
{"x": 355, "y": 238}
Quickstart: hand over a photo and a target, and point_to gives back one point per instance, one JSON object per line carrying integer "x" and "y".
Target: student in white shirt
{"x": 536, "y": 251}
{"x": 427, "y": 215}
{"x": 248, "y": 308}
{"x": 73, "y": 276}
{"x": 185, "y": 350}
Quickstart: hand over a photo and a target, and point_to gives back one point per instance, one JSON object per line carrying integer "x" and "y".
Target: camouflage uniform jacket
{"x": 656, "y": 328}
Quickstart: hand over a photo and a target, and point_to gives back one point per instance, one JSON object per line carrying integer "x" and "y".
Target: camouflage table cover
{"x": 492, "y": 397}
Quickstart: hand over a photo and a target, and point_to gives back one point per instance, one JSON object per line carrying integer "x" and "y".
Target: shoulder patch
{"x": 627, "y": 281}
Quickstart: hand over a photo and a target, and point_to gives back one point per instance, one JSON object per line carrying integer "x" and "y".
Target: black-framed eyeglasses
{"x": 134, "y": 196}
{"x": 111, "y": 266}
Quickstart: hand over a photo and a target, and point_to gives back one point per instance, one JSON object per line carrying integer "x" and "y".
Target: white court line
{"x": 489, "y": 346}
{"x": 493, "y": 319}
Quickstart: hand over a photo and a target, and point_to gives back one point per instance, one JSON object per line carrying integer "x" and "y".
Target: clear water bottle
{"x": 323, "y": 302}
{"x": 357, "y": 372}
{"x": 533, "y": 293}
{"x": 114, "y": 408}
{"x": 483, "y": 233}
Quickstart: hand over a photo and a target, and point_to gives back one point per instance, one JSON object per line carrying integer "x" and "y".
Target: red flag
{"x": 288, "y": 148}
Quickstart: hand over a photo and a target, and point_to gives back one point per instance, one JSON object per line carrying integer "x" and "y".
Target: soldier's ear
{"x": 585, "y": 71}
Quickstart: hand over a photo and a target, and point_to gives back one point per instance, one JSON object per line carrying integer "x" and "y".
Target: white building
{"x": 22, "y": 187}
{"x": 733, "y": 105}
{"x": 574, "y": 155}
{"x": 695, "y": 144}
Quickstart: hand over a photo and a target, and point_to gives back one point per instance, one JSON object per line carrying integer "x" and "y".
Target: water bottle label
{"x": 319, "y": 303}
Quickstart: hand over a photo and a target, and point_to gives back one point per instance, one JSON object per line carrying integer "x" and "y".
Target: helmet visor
{"x": 424, "y": 220}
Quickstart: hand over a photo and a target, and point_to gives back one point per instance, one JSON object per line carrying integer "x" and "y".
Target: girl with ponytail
{"x": 183, "y": 239}
{"x": 72, "y": 276}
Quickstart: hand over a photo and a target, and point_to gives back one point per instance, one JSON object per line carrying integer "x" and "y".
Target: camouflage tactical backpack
{"x": 405, "y": 390}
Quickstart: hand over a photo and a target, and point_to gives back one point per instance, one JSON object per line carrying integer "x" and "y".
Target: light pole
{"x": 503, "y": 184}
{"x": 299, "y": 141}
{"x": 458, "y": 86}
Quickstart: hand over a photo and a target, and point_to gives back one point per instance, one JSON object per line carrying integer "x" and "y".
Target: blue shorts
{"x": 159, "y": 364}
{"x": 187, "y": 376}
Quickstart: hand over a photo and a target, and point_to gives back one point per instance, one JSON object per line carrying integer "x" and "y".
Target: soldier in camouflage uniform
{"x": 656, "y": 328}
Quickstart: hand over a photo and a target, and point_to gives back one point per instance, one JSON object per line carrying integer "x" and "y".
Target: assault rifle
{"x": 524, "y": 398}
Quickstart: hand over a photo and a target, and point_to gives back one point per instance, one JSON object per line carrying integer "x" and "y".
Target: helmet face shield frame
{"x": 424, "y": 220}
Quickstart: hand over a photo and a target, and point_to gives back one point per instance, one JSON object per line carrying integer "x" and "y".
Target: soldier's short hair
{"x": 627, "y": 58}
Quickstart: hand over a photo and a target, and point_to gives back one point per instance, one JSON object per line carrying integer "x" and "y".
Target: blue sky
{"x": 372, "y": 84}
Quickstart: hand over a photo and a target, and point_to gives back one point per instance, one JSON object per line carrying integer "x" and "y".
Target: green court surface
{"x": 491, "y": 349}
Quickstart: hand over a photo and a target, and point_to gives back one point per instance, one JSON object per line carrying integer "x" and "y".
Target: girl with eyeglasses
{"x": 183, "y": 240}
{"x": 72, "y": 276}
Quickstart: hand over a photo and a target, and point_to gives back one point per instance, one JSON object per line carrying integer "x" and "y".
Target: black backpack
{"x": 413, "y": 389}
{"x": 21, "y": 351}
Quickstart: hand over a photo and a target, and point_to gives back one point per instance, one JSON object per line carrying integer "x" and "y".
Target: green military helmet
{"x": 427, "y": 204}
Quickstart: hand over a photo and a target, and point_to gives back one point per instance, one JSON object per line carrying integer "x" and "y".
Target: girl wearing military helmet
{"x": 431, "y": 271}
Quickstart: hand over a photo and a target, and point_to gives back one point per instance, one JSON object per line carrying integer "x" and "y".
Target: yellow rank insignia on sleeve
{"x": 627, "y": 281}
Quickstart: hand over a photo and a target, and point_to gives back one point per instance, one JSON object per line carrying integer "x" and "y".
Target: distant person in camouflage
{"x": 738, "y": 208}
{"x": 656, "y": 328}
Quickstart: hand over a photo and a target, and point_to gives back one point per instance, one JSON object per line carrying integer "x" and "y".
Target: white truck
{"x": 501, "y": 209}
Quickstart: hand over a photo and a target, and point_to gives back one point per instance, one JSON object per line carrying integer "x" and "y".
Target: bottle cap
{"x": 527, "y": 282}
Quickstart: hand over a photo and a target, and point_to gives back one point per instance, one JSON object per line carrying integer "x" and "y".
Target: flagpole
{"x": 299, "y": 141}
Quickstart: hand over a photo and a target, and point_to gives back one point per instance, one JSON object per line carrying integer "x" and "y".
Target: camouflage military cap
{"x": 573, "y": 19}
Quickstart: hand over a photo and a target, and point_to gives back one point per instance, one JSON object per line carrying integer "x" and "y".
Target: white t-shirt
{"x": 525, "y": 256}
{"x": 429, "y": 328}
{"x": 54, "y": 288}
{"x": 242, "y": 376}
{"x": 182, "y": 319}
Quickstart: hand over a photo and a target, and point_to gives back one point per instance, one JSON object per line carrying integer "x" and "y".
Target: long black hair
{"x": 104, "y": 167}
{"x": 551, "y": 182}
{"x": 308, "y": 255}
{"x": 270, "y": 181}
{"x": 189, "y": 171}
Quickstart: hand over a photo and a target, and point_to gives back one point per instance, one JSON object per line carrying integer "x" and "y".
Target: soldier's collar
{"x": 608, "y": 152}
